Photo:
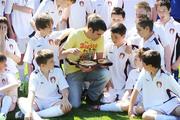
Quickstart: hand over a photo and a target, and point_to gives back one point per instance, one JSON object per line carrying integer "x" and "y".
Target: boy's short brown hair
{"x": 4, "y": 20}
{"x": 43, "y": 21}
{"x": 43, "y": 56}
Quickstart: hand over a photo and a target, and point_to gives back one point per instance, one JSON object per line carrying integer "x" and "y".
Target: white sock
{"x": 22, "y": 102}
{"x": 166, "y": 117}
{"x": 6, "y": 104}
{"x": 115, "y": 107}
{"x": 53, "y": 111}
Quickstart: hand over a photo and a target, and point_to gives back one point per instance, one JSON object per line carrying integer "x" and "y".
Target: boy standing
{"x": 172, "y": 30}
{"x": 8, "y": 89}
{"x": 159, "y": 90}
{"x": 145, "y": 30}
{"x": 48, "y": 93}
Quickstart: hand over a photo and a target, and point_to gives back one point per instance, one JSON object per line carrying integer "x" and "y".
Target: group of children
{"x": 137, "y": 82}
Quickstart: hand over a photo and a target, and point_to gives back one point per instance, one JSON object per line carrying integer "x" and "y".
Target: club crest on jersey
{"x": 53, "y": 79}
{"x": 10, "y": 46}
{"x": 159, "y": 84}
{"x": 171, "y": 30}
{"x": 81, "y": 3}
{"x": 4, "y": 81}
{"x": 51, "y": 41}
{"x": 121, "y": 55}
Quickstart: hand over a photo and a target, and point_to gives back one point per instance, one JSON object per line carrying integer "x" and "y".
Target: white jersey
{"x": 5, "y": 7}
{"x": 155, "y": 90}
{"x": 154, "y": 44}
{"x": 101, "y": 8}
{"x": 171, "y": 28}
{"x": 47, "y": 89}
{"x": 121, "y": 63}
{"x": 50, "y": 7}
{"x": 7, "y": 78}
{"x": 107, "y": 38}
{"x": 21, "y": 20}
{"x": 79, "y": 9}
{"x": 131, "y": 82}
{"x": 37, "y": 43}
{"x": 132, "y": 78}
{"x": 133, "y": 37}
{"x": 11, "y": 46}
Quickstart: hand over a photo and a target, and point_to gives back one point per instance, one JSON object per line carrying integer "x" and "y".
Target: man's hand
{"x": 86, "y": 69}
{"x": 28, "y": 116}
{"x": 65, "y": 105}
{"x": 74, "y": 51}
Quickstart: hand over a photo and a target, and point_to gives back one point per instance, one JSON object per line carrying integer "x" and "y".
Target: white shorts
{"x": 22, "y": 44}
{"x": 44, "y": 104}
{"x": 168, "y": 107}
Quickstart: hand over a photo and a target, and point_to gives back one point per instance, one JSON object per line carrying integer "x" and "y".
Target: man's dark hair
{"x": 96, "y": 23}
{"x": 118, "y": 28}
{"x": 43, "y": 21}
{"x": 152, "y": 57}
{"x": 118, "y": 11}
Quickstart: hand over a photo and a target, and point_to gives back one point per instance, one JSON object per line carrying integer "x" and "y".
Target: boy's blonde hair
{"x": 144, "y": 5}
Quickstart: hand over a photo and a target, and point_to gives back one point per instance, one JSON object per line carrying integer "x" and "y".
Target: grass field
{"x": 84, "y": 114}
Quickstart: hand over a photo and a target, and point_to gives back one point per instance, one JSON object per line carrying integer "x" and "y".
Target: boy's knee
{"x": 139, "y": 110}
{"x": 76, "y": 105}
{"x": 147, "y": 116}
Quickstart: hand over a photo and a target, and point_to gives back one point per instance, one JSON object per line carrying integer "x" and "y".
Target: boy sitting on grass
{"x": 160, "y": 92}
{"x": 48, "y": 93}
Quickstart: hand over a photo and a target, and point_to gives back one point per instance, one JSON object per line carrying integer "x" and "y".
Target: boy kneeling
{"x": 160, "y": 91}
{"x": 48, "y": 93}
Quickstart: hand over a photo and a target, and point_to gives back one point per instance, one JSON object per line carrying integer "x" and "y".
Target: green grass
{"x": 84, "y": 114}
